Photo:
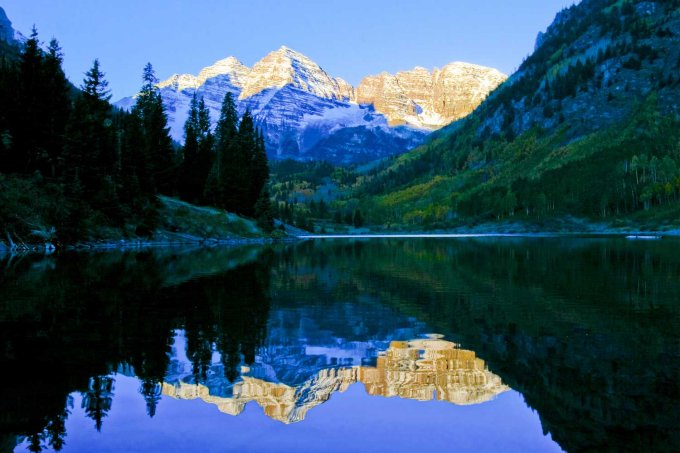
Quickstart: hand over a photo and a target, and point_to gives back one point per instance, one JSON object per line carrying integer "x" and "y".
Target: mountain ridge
{"x": 307, "y": 114}
{"x": 583, "y": 129}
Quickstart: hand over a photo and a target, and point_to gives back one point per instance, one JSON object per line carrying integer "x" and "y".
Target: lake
{"x": 363, "y": 345}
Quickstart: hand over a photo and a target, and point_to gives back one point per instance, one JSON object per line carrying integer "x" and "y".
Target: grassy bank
{"x": 35, "y": 215}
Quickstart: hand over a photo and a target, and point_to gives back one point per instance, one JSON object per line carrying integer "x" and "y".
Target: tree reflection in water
{"x": 586, "y": 330}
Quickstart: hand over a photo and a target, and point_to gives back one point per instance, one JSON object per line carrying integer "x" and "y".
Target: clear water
{"x": 372, "y": 345}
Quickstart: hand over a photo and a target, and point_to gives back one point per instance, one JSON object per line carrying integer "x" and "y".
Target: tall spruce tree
{"x": 206, "y": 145}
{"x": 157, "y": 144}
{"x": 225, "y": 186}
{"x": 246, "y": 141}
{"x": 264, "y": 211}
{"x": 90, "y": 151}
{"x": 197, "y": 152}
{"x": 89, "y": 155}
{"x": 28, "y": 115}
{"x": 187, "y": 177}
{"x": 35, "y": 102}
{"x": 58, "y": 106}
{"x": 8, "y": 79}
{"x": 259, "y": 168}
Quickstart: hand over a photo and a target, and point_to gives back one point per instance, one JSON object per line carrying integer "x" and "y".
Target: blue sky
{"x": 348, "y": 38}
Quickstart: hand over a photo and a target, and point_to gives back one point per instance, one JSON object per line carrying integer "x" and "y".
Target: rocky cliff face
{"x": 599, "y": 94}
{"x": 307, "y": 114}
{"x": 7, "y": 33}
{"x": 6, "y": 30}
{"x": 429, "y": 100}
{"x": 287, "y": 67}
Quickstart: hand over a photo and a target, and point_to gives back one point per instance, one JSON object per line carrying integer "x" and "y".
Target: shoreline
{"x": 585, "y": 235}
{"x": 141, "y": 244}
{"x": 128, "y": 245}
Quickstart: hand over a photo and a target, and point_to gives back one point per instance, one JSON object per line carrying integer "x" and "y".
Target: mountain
{"x": 10, "y": 39}
{"x": 306, "y": 114}
{"x": 589, "y": 126}
{"x": 427, "y": 99}
{"x": 7, "y": 33}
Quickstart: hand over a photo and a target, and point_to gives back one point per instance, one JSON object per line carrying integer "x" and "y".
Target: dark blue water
{"x": 468, "y": 344}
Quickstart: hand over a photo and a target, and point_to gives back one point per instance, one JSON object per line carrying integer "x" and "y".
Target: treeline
{"x": 627, "y": 170}
{"x": 227, "y": 169}
{"x": 87, "y": 164}
{"x": 306, "y": 214}
{"x": 556, "y": 71}
{"x": 74, "y": 167}
{"x": 308, "y": 195}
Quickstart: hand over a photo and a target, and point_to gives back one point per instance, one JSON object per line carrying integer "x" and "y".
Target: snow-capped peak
{"x": 180, "y": 82}
{"x": 229, "y": 66}
{"x": 286, "y": 66}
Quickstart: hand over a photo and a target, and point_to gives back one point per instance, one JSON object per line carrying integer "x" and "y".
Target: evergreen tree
{"x": 259, "y": 173}
{"x": 58, "y": 106}
{"x": 8, "y": 79}
{"x": 187, "y": 177}
{"x": 131, "y": 161}
{"x": 157, "y": 144}
{"x": 225, "y": 184}
{"x": 28, "y": 115}
{"x": 206, "y": 144}
{"x": 95, "y": 87}
{"x": 197, "y": 153}
{"x": 264, "y": 212}
{"x": 246, "y": 143}
{"x": 35, "y": 106}
{"x": 89, "y": 156}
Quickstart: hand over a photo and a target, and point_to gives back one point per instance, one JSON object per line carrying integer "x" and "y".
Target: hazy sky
{"x": 348, "y": 38}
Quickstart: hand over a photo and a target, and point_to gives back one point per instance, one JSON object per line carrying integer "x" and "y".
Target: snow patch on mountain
{"x": 305, "y": 113}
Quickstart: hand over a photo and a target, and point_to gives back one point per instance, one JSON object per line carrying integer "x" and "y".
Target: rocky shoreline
{"x": 139, "y": 244}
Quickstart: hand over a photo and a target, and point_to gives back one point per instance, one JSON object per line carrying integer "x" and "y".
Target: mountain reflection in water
{"x": 422, "y": 370}
{"x": 586, "y": 330}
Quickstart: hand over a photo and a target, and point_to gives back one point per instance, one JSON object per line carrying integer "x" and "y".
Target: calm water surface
{"x": 457, "y": 344}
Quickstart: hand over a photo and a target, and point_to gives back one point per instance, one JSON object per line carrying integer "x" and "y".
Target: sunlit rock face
{"x": 307, "y": 114}
{"x": 421, "y": 370}
{"x": 229, "y": 68}
{"x": 288, "y": 67}
{"x": 429, "y": 100}
{"x": 458, "y": 88}
{"x": 385, "y": 93}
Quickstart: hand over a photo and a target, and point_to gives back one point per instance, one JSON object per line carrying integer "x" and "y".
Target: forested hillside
{"x": 73, "y": 167}
{"x": 589, "y": 126}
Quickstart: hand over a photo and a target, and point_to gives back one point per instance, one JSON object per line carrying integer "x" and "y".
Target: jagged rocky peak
{"x": 427, "y": 99}
{"x": 284, "y": 67}
{"x": 180, "y": 82}
{"x": 230, "y": 66}
{"x": 460, "y": 87}
{"x": 308, "y": 114}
